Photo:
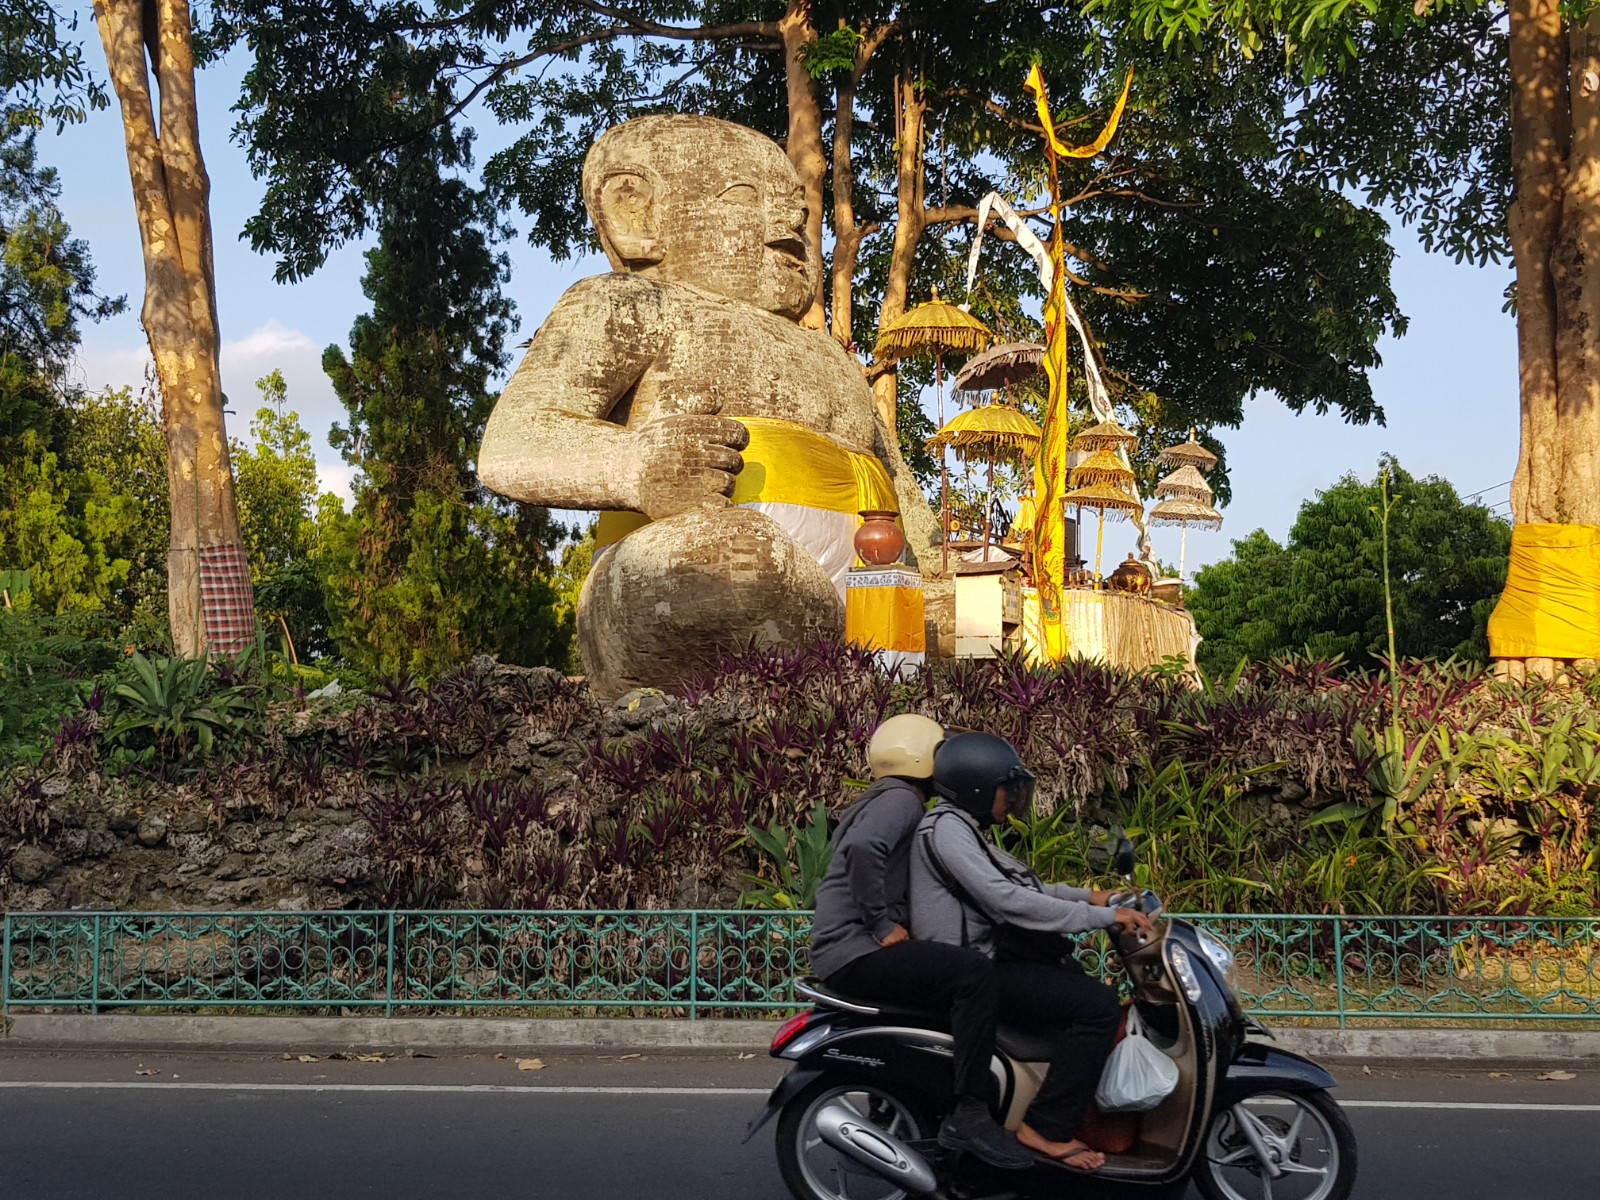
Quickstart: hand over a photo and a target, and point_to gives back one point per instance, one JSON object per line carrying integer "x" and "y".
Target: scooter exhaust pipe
{"x": 848, "y": 1132}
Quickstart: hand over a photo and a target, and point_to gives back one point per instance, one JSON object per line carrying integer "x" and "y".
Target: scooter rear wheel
{"x": 813, "y": 1170}
{"x": 1305, "y": 1133}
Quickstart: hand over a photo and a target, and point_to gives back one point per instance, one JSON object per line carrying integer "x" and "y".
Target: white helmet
{"x": 903, "y": 746}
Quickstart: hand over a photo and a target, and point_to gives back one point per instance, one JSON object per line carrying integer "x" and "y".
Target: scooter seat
{"x": 1025, "y": 1044}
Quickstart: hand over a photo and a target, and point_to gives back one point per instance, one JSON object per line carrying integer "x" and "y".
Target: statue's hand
{"x": 687, "y": 462}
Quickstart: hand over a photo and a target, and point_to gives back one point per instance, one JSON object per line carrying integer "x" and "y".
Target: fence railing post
{"x": 388, "y": 970}
{"x": 5, "y": 965}
{"x": 694, "y": 964}
{"x": 1338, "y": 966}
{"x": 94, "y": 970}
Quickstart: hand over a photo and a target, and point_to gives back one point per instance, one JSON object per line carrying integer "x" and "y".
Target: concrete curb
{"x": 113, "y": 1031}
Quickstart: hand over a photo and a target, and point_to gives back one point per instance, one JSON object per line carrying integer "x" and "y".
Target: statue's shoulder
{"x": 619, "y": 289}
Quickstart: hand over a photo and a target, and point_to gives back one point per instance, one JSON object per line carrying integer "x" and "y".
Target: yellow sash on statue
{"x": 788, "y": 464}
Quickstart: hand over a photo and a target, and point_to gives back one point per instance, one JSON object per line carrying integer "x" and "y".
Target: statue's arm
{"x": 552, "y": 438}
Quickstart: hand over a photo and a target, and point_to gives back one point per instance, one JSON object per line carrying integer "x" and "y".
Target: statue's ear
{"x": 629, "y": 218}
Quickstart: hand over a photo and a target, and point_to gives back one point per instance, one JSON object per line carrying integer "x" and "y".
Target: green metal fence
{"x": 700, "y": 963}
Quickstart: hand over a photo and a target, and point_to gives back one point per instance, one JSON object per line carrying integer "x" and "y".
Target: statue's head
{"x": 705, "y": 202}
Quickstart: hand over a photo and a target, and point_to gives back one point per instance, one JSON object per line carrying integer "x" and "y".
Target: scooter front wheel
{"x": 814, "y": 1170}
{"x": 1279, "y": 1146}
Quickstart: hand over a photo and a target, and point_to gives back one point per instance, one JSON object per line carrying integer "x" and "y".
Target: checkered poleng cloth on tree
{"x": 227, "y": 599}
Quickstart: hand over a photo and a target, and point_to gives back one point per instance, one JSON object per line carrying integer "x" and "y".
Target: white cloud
{"x": 244, "y": 360}
{"x": 336, "y": 477}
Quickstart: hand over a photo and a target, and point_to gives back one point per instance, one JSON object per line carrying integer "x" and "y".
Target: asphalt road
{"x": 92, "y": 1127}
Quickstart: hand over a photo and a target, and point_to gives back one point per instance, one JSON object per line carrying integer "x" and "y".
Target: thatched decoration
{"x": 995, "y": 430}
{"x": 1186, "y": 512}
{"x": 1104, "y": 497}
{"x": 999, "y": 367}
{"x": 1186, "y": 483}
{"x": 1107, "y": 435}
{"x": 935, "y": 327}
{"x": 1102, "y": 466}
{"x": 1190, "y": 453}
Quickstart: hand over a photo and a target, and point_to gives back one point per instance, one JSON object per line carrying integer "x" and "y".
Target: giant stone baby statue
{"x": 728, "y": 449}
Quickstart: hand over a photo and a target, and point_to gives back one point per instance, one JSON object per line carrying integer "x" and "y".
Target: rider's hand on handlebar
{"x": 895, "y": 936}
{"x": 1132, "y": 921}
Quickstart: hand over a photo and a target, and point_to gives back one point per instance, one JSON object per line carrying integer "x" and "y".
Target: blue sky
{"x": 1449, "y": 387}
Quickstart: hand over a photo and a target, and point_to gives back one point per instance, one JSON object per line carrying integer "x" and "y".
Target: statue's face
{"x": 710, "y": 204}
{"x": 743, "y": 236}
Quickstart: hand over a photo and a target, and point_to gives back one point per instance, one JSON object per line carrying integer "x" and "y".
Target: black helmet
{"x": 968, "y": 768}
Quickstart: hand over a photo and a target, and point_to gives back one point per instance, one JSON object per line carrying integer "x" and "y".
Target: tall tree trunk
{"x": 847, "y": 234}
{"x": 1540, "y": 137}
{"x": 1575, "y": 271}
{"x": 805, "y": 147}
{"x": 210, "y": 601}
{"x": 910, "y": 221}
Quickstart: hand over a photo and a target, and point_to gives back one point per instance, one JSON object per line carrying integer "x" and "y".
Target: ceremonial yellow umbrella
{"x": 1104, "y": 469}
{"x": 941, "y": 328}
{"x": 1107, "y": 435}
{"x": 998, "y": 429}
{"x": 1185, "y": 495}
{"x": 1103, "y": 498}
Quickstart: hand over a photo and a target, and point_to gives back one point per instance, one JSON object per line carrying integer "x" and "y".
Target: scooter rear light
{"x": 791, "y": 1029}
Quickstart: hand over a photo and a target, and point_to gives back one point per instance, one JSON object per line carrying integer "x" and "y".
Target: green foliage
{"x": 430, "y": 569}
{"x": 1411, "y": 102}
{"x": 46, "y": 665}
{"x": 275, "y": 481}
{"x": 46, "y": 289}
{"x": 1323, "y": 591}
{"x": 1202, "y": 217}
{"x": 42, "y": 72}
{"x": 89, "y": 524}
{"x": 797, "y": 856}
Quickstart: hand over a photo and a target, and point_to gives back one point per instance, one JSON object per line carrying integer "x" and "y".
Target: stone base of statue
{"x": 673, "y": 599}
{"x": 884, "y": 614}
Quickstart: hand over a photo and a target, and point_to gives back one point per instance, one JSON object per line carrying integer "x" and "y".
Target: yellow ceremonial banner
{"x": 1050, "y": 467}
{"x": 789, "y": 464}
{"x": 883, "y": 610}
{"x": 1551, "y": 604}
{"x": 1058, "y": 148}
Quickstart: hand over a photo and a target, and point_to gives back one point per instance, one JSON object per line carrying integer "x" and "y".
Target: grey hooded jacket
{"x": 865, "y": 892}
{"x": 1007, "y": 891}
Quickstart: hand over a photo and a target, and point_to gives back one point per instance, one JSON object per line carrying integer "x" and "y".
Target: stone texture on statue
{"x": 628, "y": 396}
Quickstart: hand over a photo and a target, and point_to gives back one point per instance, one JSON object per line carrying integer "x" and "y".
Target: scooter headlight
{"x": 1218, "y": 952}
{"x": 1184, "y": 970}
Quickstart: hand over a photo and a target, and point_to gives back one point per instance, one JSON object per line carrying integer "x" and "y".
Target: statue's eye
{"x": 740, "y": 193}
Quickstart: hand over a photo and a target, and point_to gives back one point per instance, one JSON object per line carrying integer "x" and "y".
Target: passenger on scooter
{"x": 860, "y": 946}
{"x": 968, "y": 893}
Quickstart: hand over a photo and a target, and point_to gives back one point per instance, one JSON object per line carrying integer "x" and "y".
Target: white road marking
{"x": 89, "y": 1085}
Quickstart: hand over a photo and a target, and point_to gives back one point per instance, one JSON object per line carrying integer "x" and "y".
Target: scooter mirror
{"x": 1123, "y": 860}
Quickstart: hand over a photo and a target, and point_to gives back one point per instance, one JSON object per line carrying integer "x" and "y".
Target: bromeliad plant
{"x": 173, "y": 709}
{"x": 797, "y": 858}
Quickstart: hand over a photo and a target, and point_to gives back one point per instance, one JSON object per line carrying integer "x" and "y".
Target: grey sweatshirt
{"x": 1008, "y": 892}
{"x": 864, "y": 895}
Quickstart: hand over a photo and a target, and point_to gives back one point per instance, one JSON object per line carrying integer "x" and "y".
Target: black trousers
{"x": 936, "y": 976}
{"x": 1081, "y": 1014}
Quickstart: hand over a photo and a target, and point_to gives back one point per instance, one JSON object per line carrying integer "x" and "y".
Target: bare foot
{"x": 1072, "y": 1154}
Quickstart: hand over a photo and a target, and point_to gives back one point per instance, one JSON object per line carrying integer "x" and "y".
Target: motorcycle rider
{"x": 968, "y": 893}
{"x": 860, "y": 945}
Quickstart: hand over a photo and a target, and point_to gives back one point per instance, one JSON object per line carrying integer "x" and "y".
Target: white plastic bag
{"x": 1137, "y": 1075}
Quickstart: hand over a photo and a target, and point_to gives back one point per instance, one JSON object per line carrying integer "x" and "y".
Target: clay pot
{"x": 879, "y": 541}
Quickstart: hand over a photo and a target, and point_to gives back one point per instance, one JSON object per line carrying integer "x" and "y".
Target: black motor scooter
{"x": 858, "y": 1113}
